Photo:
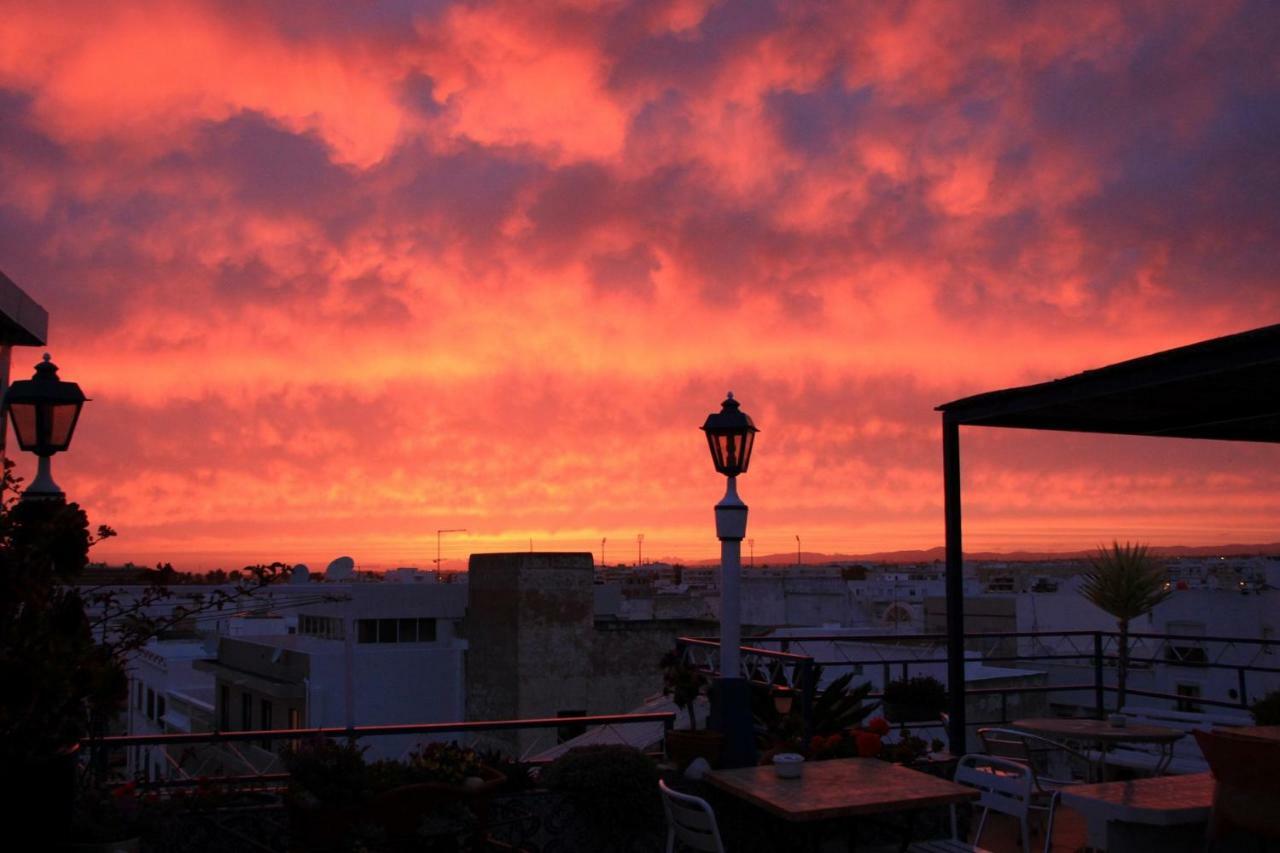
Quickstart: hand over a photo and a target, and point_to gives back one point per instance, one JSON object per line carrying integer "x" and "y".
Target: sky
{"x": 337, "y": 276}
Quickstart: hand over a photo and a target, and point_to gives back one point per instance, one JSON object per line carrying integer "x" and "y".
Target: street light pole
{"x": 730, "y": 436}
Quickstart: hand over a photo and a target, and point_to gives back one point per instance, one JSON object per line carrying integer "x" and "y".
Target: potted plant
{"x": 613, "y": 791}
{"x": 106, "y": 820}
{"x": 1126, "y": 582}
{"x": 910, "y": 700}
{"x": 1266, "y": 711}
{"x": 443, "y": 790}
{"x": 58, "y": 679}
{"x": 837, "y": 713}
{"x": 684, "y": 684}
{"x": 328, "y": 790}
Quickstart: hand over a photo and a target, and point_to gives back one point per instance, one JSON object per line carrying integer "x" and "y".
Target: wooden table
{"x": 1112, "y": 809}
{"x": 1104, "y": 735}
{"x": 842, "y": 787}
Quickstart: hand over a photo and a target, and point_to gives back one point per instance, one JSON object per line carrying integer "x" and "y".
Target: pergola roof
{"x": 1226, "y": 388}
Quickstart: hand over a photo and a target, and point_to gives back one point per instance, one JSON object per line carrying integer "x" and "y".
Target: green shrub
{"x": 614, "y": 787}
{"x": 1266, "y": 711}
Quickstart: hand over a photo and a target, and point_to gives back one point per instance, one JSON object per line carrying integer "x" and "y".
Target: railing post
{"x": 956, "y": 728}
{"x": 1244, "y": 693}
{"x": 1099, "y": 700}
{"x": 808, "y": 688}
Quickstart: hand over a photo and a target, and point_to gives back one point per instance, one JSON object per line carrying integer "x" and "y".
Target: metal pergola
{"x": 1226, "y": 389}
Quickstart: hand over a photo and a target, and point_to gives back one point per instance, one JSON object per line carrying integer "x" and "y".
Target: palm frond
{"x": 1125, "y": 581}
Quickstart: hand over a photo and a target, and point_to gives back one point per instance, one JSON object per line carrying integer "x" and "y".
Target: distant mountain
{"x": 939, "y": 553}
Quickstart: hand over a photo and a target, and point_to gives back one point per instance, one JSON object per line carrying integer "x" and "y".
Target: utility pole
{"x": 751, "y": 543}
{"x": 445, "y": 530}
{"x": 602, "y": 541}
{"x": 639, "y": 549}
{"x": 797, "y": 550}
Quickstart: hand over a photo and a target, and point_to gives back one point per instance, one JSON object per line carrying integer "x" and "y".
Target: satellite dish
{"x": 300, "y": 574}
{"x": 341, "y": 569}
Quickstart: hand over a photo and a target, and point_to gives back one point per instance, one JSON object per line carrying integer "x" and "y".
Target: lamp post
{"x": 730, "y": 435}
{"x": 44, "y": 411}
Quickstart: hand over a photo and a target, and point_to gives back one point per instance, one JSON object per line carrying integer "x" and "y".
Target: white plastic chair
{"x": 691, "y": 820}
{"x": 1007, "y": 787}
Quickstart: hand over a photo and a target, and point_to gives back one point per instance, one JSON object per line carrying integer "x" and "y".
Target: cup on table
{"x": 1117, "y": 720}
{"x": 788, "y": 765}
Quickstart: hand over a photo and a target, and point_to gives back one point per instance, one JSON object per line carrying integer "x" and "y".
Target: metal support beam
{"x": 955, "y": 585}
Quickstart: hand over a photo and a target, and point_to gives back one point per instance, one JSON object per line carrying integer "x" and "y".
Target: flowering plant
{"x": 855, "y": 742}
{"x": 446, "y": 763}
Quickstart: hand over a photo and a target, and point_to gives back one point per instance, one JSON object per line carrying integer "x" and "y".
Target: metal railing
{"x": 793, "y": 660}
{"x": 98, "y": 748}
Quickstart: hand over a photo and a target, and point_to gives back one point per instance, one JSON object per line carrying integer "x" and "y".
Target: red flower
{"x": 868, "y": 745}
{"x": 816, "y": 743}
{"x": 879, "y": 725}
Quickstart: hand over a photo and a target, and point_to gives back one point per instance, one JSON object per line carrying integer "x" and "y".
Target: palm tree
{"x": 1125, "y": 581}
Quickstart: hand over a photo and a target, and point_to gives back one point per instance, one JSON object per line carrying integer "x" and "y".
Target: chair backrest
{"x": 1006, "y": 785}
{"x": 691, "y": 821}
{"x": 1005, "y": 743}
{"x": 1247, "y": 773}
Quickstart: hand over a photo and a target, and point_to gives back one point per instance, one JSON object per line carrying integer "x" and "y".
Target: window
{"x": 224, "y": 709}
{"x": 160, "y": 708}
{"x": 246, "y": 712}
{"x": 1186, "y": 652}
{"x": 151, "y": 704}
{"x": 406, "y": 630}
{"x": 1188, "y": 692}
{"x": 137, "y": 702}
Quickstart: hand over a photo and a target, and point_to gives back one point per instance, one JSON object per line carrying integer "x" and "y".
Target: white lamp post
{"x": 44, "y": 411}
{"x": 730, "y": 435}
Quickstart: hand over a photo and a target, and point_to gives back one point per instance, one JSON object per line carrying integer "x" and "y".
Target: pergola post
{"x": 955, "y": 585}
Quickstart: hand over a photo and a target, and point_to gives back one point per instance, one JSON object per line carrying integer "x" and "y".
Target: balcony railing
{"x": 792, "y": 661}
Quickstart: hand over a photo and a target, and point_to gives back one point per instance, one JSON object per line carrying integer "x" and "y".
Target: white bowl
{"x": 788, "y": 765}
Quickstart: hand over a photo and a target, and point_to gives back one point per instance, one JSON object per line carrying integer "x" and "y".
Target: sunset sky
{"x": 338, "y": 275}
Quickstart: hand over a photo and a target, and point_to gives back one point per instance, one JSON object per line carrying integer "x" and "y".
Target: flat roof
{"x": 22, "y": 321}
{"x": 1225, "y": 388}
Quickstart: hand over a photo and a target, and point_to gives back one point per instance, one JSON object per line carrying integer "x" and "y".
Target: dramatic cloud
{"x": 341, "y": 276}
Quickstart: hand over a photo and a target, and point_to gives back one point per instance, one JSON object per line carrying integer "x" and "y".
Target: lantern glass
{"x": 23, "y": 416}
{"x": 62, "y": 423}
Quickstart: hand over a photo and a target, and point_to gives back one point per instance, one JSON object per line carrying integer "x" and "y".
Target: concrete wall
{"x": 624, "y": 660}
{"x": 529, "y": 628}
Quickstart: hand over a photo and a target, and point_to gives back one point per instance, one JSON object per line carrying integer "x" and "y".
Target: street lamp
{"x": 730, "y": 436}
{"x": 44, "y": 411}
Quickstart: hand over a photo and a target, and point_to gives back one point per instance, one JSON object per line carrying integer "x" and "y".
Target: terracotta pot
{"x": 684, "y": 746}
